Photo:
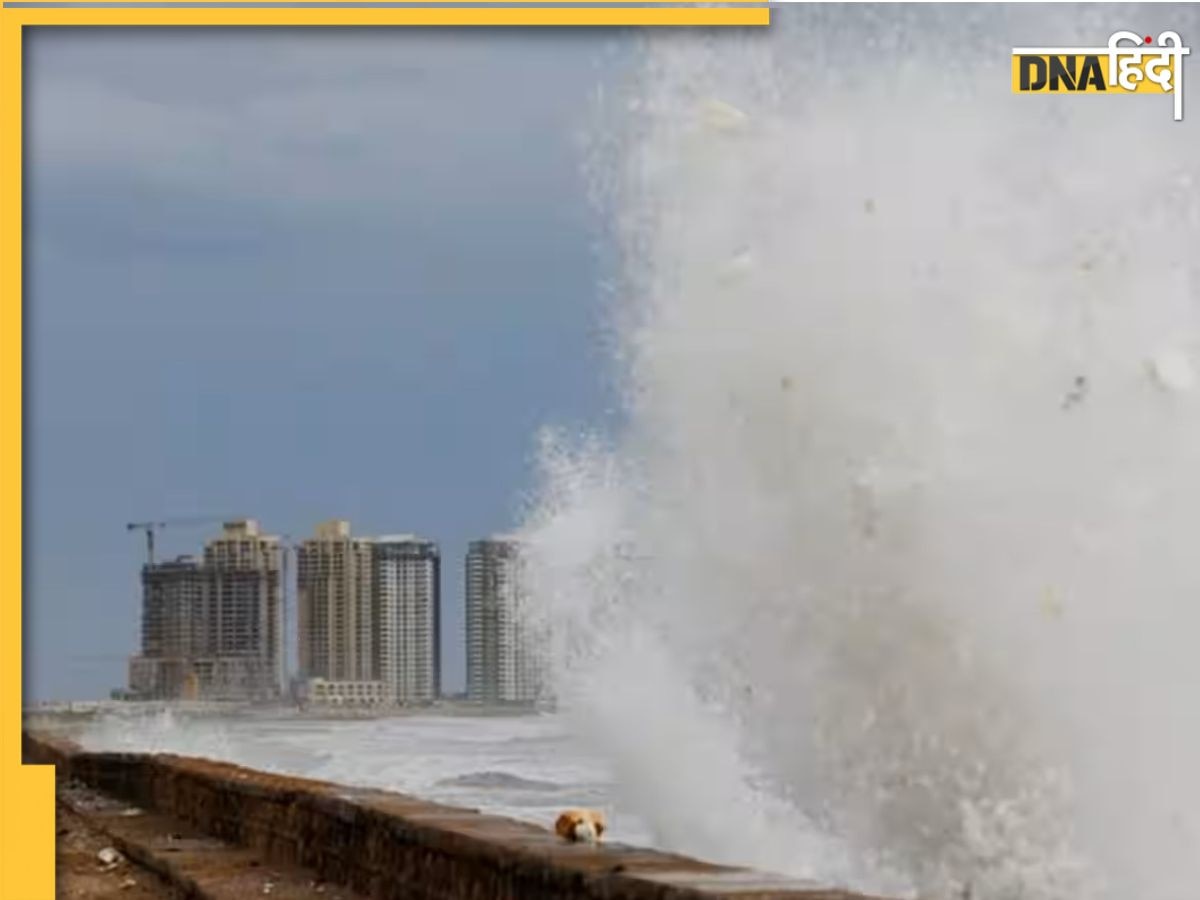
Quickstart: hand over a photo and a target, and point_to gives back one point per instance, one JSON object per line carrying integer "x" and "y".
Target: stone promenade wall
{"x": 389, "y": 846}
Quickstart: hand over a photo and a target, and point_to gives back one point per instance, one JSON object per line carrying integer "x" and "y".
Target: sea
{"x": 526, "y": 767}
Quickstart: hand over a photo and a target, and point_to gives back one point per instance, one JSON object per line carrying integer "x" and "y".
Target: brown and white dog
{"x": 580, "y": 825}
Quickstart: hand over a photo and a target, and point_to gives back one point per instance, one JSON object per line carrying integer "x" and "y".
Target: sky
{"x": 295, "y": 275}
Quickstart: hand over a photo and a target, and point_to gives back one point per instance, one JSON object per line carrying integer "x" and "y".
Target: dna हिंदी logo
{"x": 1130, "y": 64}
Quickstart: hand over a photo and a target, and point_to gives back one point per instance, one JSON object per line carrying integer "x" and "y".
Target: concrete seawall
{"x": 391, "y": 846}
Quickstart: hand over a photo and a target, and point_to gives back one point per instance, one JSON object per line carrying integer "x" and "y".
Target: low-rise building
{"x": 322, "y": 692}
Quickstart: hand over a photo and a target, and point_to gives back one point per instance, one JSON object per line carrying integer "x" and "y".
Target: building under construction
{"x": 211, "y": 627}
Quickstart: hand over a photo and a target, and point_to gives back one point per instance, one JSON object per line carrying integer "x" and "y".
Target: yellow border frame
{"x": 27, "y": 829}
{"x": 17, "y": 16}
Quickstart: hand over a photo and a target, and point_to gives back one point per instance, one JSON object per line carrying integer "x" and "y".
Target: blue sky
{"x": 295, "y": 275}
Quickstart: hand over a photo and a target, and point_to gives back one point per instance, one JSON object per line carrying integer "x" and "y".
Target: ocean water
{"x": 525, "y": 767}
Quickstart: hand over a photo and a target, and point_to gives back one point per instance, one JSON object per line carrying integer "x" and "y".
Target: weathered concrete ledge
{"x": 391, "y": 846}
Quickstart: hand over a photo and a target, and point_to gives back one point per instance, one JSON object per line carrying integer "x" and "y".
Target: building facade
{"x": 407, "y": 593}
{"x": 505, "y": 647}
{"x": 174, "y": 596}
{"x": 211, "y": 628}
{"x": 245, "y": 608}
{"x": 334, "y": 593}
{"x": 369, "y": 612}
{"x": 346, "y": 693}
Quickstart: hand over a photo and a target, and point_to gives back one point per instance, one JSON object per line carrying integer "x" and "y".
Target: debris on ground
{"x": 81, "y": 876}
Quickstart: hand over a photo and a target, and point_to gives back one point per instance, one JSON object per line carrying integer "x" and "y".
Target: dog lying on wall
{"x": 580, "y": 826}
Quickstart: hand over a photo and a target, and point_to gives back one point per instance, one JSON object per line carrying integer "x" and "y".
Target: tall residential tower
{"x": 369, "y": 617}
{"x": 333, "y": 594}
{"x": 505, "y": 652}
{"x": 407, "y": 600}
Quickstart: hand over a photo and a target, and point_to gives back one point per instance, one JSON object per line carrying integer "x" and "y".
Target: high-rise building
{"x": 407, "y": 594}
{"x": 505, "y": 651}
{"x": 333, "y": 589}
{"x": 244, "y": 614}
{"x": 211, "y": 627}
{"x": 173, "y": 604}
{"x": 174, "y": 595}
{"x": 369, "y": 617}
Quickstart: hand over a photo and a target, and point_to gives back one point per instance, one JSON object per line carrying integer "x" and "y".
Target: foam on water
{"x": 891, "y": 577}
{"x": 526, "y": 767}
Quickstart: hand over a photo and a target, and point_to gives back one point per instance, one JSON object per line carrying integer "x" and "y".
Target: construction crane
{"x": 151, "y": 527}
